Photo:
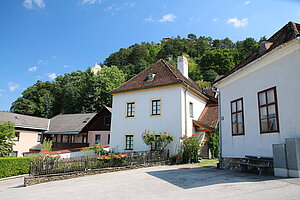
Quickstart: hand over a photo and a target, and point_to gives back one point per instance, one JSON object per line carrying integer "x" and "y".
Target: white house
{"x": 260, "y": 99}
{"x": 160, "y": 98}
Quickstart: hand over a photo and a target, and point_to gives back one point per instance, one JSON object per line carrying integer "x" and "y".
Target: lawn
{"x": 208, "y": 163}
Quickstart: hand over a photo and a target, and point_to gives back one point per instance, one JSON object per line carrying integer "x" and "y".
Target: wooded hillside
{"x": 82, "y": 91}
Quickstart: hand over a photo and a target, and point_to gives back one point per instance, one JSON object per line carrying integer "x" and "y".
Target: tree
{"x": 7, "y": 135}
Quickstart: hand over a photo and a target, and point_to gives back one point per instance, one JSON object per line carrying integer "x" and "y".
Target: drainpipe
{"x": 220, "y": 123}
{"x": 185, "y": 115}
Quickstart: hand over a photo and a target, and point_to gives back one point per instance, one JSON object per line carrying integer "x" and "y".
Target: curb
{"x": 12, "y": 177}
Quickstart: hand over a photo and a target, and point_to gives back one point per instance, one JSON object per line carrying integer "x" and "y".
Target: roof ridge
{"x": 167, "y": 64}
{"x": 23, "y": 115}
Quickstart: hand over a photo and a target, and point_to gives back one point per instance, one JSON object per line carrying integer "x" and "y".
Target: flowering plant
{"x": 112, "y": 156}
{"x": 46, "y": 157}
{"x": 191, "y": 146}
{"x": 157, "y": 141}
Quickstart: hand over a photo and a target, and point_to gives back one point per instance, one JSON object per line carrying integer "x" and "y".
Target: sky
{"x": 41, "y": 39}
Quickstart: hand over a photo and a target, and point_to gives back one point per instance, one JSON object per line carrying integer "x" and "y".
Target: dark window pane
{"x": 263, "y": 112}
{"x": 270, "y": 96}
{"x": 272, "y": 124}
{"x": 264, "y": 125}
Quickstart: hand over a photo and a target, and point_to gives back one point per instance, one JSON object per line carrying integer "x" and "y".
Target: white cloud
{"x": 149, "y": 19}
{"x": 68, "y": 66}
{"x": 32, "y": 69}
{"x": 31, "y": 4}
{"x": 237, "y": 23}
{"x": 92, "y": 1}
{"x": 13, "y": 86}
{"x": 54, "y": 57}
{"x": 1, "y": 91}
{"x": 247, "y": 3}
{"x": 52, "y": 76}
{"x": 216, "y": 19}
{"x": 168, "y": 18}
{"x": 42, "y": 62}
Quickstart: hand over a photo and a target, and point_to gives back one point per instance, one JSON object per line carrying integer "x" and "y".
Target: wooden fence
{"x": 49, "y": 166}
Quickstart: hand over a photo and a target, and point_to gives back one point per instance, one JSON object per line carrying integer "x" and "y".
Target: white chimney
{"x": 183, "y": 66}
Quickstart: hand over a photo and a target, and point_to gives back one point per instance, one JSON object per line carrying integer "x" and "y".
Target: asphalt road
{"x": 163, "y": 182}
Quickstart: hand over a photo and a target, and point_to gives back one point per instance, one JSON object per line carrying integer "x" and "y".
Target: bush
{"x": 12, "y": 166}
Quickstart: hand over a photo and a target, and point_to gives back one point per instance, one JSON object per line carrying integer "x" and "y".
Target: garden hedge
{"x": 13, "y": 166}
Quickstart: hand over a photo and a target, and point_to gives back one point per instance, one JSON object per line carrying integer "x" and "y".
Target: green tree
{"x": 7, "y": 135}
{"x": 157, "y": 141}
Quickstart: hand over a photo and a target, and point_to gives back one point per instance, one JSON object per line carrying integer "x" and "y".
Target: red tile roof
{"x": 209, "y": 116}
{"x": 287, "y": 33}
{"x": 165, "y": 74}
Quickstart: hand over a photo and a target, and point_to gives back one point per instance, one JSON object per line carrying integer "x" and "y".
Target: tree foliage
{"x": 75, "y": 92}
{"x": 157, "y": 141}
{"x": 82, "y": 91}
{"x": 7, "y": 135}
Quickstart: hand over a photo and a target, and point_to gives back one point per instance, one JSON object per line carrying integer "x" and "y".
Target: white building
{"x": 259, "y": 98}
{"x": 160, "y": 98}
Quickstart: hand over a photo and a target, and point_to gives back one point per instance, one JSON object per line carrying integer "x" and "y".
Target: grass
{"x": 208, "y": 163}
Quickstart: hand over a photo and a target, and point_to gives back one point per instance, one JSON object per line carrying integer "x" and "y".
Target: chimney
{"x": 264, "y": 46}
{"x": 182, "y": 65}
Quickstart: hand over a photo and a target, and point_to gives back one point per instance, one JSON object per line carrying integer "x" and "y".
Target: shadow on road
{"x": 187, "y": 178}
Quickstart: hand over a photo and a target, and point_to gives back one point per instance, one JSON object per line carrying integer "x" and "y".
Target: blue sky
{"x": 40, "y": 39}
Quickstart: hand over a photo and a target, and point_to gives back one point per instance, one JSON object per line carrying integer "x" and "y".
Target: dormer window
{"x": 150, "y": 77}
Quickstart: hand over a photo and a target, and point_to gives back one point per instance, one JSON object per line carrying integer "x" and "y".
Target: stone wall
{"x": 32, "y": 180}
{"x": 230, "y": 163}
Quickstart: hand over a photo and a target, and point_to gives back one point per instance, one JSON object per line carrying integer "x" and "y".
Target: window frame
{"x": 131, "y": 142}
{"x": 156, "y": 106}
{"x": 132, "y": 114}
{"x": 267, "y": 104}
{"x": 17, "y": 137}
{"x": 40, "y": 137}
{"x": 96, "y": 141}
{"x": 191, "y": 109}
{"x": 236, "y": 113}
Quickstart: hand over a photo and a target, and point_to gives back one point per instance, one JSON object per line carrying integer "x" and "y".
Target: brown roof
{"x": 287, "y": 33}
{"x": 165, "y": 74}
{"x": 209, "y": 116}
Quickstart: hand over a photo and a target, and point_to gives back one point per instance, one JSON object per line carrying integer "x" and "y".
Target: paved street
{"x": 163, "y": 182}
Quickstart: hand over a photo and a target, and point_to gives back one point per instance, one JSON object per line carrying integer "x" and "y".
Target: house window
{"x": 128, "y": 142}
{"x": 108, "y": 138}
{"x": 17, "y": 136}
{"x": 39, "y": 139}
{"x": 268, "y": 112}
{"x": 156, "y": 107}
{"x": 15, "y": 154}
{"x": 98, "y": 139}
{"x": 191, "y": 109}
{"x": 107, "y": 120}
{"x": 130, "y": 109}
{"x": 237, "y": 117}
{"x": 154, "y": 146}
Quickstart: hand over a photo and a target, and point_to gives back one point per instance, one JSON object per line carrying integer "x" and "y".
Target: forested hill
{"x": 82, "y": 91}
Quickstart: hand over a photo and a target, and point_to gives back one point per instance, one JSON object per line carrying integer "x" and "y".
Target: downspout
{"x": 185, "y": 110}
{"x": 220, "y": 124}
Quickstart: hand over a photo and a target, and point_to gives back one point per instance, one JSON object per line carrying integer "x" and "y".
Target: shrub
{"x": 190, "y": 146}
{"x": 157, "y": 141}
{"x": 12, "y": 166}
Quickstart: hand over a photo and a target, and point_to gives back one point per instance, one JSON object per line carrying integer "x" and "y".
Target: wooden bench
{"x": 260, "y": 164}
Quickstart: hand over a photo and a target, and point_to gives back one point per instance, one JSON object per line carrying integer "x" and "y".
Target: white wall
{"x": 171, "y": 119}
{"x": 268, "y": 72}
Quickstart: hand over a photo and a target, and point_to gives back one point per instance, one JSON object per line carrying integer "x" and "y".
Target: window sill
{"x": 128, "y": 149}
{"x": 276, "y": 131}
{"x": 129, "y": 116}
{"x": 155, "y": 115}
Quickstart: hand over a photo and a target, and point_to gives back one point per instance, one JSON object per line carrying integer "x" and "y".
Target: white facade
{"x": 279, "y": 68}
{"x": 174, "y": 116}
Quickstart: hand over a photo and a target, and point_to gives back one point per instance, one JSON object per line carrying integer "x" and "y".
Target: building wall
{"x": 284, "y": 73}
{"x": 27, "y": 140}
{"x": 171, "y": 118}
{"x": 103, "y": 136}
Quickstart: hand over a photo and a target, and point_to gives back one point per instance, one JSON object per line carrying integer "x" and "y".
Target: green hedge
{"x": 13, "y": 166}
